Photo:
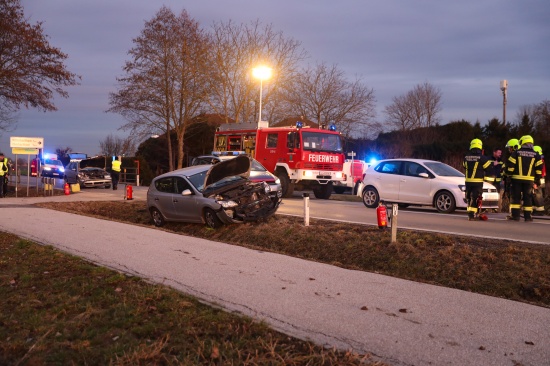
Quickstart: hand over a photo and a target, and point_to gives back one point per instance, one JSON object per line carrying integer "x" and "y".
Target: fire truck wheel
{"x": 286, "y": 186}
{"x": 371, "y": 197}
{"x": 323, "y": 191}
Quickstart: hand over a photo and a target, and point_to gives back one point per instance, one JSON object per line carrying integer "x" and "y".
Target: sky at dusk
{"x": 464, "y": 48}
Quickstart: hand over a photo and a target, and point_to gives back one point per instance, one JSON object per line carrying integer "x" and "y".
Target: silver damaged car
{"x": 212, "y": 194}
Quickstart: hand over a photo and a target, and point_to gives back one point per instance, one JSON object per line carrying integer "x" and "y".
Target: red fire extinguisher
{"x": 128, "y": 192}
{"x": 382, "y": 216}
{"x": 66, "y": 189}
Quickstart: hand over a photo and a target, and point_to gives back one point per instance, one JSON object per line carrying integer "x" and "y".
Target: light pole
{"x": 262, "y": 73}
{"x": 504, "y": 88}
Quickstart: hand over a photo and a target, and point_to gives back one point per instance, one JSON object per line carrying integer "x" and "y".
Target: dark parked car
{"x": 87, "y": 176}
{"x": 213, "y": 194}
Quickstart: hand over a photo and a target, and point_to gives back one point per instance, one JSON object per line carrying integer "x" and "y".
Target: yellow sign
{"x": 27, "y": 142}
{"x": 24, "y": 150}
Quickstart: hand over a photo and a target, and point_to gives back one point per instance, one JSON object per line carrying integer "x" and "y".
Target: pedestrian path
{"x": 400, "y": 322}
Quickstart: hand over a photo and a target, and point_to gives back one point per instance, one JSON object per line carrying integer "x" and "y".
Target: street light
{"x": 262, "y": 73}
{"x": 503, "y": 87}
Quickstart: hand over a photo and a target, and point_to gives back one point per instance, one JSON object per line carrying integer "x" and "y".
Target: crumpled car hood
{"x": 239, "y": 166}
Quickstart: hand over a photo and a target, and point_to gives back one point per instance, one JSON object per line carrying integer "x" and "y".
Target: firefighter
{"x": 525, "y": 168}
{"x": 494, "y": 173}
{"x": 115, "y": 172}
{"x": 6, "y": 176}
{"x": 475, "y": 164}
{"x": 539, "y": 193}
{"x": 512, "y": 145}
{"x": 4, "y": 170}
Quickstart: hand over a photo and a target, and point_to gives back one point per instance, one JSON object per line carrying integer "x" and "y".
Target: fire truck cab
{"x": 301, "y": 157}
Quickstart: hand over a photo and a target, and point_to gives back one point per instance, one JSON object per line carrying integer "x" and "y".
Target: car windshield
{"x": 443, "y": 170}
{"x": 53, "y": 162}
{"x": 257, "y": 167}
{"x": 197, "y": 180}
{"x": 319, "y": 141}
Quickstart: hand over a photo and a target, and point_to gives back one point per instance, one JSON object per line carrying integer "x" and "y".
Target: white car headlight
{"x": 227, "y": 204}
{"x": 462, "y": 187}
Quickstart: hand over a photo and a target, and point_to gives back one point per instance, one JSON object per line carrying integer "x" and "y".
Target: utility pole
{"x": 504, "y": 88}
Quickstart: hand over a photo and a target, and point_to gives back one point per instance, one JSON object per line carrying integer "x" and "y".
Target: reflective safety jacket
{"x": 494, "y": 172}
{"x": 525, "y": 164}
{"x": 475, "y": 165}
{"x": 116, "y": 165}
{"x": 3, "y": 168}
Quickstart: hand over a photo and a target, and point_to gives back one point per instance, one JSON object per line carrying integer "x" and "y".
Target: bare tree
{"x": 117, "y": 146}
{"x": 165, "y": 83}
{"x": 420, "y": 107}
{"x": 323, "y": 94}
{"x": 31, "y": 71}
{"x": 236, "y": 49}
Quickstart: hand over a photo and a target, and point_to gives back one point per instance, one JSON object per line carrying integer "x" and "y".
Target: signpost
{"x": 29, "y": 146}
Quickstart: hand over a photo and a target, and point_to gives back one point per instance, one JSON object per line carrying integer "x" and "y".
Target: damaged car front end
{"x": 215, "y": 195}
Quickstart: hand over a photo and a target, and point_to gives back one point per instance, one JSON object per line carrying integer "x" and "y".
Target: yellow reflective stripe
{"x": 474, "y": 170}
{"x": 512, "y": 205}
{"x": 530, "y": 167}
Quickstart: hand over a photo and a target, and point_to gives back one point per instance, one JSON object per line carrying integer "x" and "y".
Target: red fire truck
{"x": 301, "y": 157}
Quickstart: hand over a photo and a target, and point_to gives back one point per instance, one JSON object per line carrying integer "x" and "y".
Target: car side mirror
{"x": 424, "y": 175}
{"x": 186, "y": 192}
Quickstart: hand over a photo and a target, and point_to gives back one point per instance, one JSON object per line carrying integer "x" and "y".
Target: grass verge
{"x": 510, "y": 270}
{"x": 57, "y": 309}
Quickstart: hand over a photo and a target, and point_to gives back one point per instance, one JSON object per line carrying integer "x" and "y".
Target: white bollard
{"x": 394, "y": 223}
{"x": 306, "y": 209}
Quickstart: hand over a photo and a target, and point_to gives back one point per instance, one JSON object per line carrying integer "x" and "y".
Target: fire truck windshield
{"x": 319, "y": 141}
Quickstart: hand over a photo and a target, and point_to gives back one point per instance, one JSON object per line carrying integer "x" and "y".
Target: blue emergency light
{"x": 299, "y": 124}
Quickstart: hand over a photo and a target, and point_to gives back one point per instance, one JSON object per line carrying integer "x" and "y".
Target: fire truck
{"x": 303, "y": 158}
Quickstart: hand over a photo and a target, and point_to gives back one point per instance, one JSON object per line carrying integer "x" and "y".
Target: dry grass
{"x": 59, "y": 310}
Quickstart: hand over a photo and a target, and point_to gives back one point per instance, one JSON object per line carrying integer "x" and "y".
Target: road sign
{"x": 23, "y": 151}
{"x": 27, "y": 142}
{"x": 352, "y": 154}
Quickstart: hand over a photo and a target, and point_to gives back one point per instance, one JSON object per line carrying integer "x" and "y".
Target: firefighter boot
{"x": 527, "y": 216}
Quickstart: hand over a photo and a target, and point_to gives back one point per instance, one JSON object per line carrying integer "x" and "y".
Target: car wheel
{"x": 157, "y": 217}
{"x": 212, "y": 220}
{"x": 445, "y": 202}
{"x": 371, "y": 198}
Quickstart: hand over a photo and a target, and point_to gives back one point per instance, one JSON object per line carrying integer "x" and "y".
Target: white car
{"x": 419, "y": 182}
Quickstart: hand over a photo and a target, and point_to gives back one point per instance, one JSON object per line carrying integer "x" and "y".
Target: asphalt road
{"x": 496, "y": 227}
{"x": 398, "y": 321}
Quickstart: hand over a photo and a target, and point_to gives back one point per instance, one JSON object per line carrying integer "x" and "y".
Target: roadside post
{"x": 306, "y": 209}
{"x": 395, "y": 209}
{"x": 352, "y": 155}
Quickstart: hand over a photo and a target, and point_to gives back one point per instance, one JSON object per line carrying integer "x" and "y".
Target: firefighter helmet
{"x": 538, "y": 149}
{"x": 527, "y": 139}
{"x": 513, "y": 143}
{"x": 476, "y": 144}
